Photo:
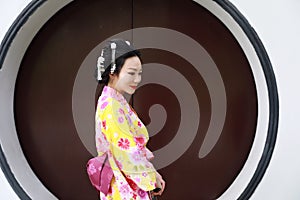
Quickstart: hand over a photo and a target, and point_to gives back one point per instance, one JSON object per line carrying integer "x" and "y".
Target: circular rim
{"x": 4, "y": 47}
{"x": 272, "y": 92}
{"x": 16, "y": 26}
{"x": 259, "y": 50}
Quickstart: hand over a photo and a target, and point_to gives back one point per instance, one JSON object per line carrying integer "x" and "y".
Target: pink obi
{"x": 100, "y": 173}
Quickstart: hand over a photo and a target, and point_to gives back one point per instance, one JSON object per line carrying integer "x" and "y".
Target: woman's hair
{"x": 124, "y": 50}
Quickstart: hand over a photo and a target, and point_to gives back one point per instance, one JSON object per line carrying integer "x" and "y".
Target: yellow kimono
{"x": 121, "y": 133}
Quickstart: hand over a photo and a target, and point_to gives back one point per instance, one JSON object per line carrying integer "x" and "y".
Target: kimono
{"x": 121, "y": 134}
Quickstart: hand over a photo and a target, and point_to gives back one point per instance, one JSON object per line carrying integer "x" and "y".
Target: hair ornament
{"x": 113, "y": 47}
{"x": 127, "y": 42}
{"x": 100, "y": 66}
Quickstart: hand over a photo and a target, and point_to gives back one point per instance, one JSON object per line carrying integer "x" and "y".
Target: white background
{"x": 277, "y": 24}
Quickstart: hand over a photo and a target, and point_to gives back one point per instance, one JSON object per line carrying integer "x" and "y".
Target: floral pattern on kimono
{"x": 121, "y": 133}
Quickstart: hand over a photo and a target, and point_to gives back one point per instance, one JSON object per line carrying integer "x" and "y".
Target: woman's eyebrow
{"x": 134, "y": 69}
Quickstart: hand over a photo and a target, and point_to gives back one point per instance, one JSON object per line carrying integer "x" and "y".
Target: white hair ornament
{"x": 100, "y": 66}
{"x": 113, "y": 47}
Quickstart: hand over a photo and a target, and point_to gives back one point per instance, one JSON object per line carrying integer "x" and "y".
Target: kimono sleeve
{"x": 129, "y": 157}
{"x": 102, "y": 144}
{"x": 149, "y": 154}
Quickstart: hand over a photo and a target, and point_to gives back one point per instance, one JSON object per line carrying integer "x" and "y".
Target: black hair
{"x": 123, "y": 51}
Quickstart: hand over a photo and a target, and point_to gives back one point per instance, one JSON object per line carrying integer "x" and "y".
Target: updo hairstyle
{"x": 123, "y": 51}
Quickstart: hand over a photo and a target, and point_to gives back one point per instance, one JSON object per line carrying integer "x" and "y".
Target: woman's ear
{"x": 111, "y": 76}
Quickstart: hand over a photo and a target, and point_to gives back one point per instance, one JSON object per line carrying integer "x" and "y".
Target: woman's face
{"x": 129, "y": 76}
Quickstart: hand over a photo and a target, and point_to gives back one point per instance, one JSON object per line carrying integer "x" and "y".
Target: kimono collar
{"x": 111, "y": 92}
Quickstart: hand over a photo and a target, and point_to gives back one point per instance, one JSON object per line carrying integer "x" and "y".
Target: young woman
{"x": 119, "y": 131}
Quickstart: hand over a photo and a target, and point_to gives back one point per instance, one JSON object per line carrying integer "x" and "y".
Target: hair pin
{"x": 113, "y": 47}
{"x": 100, "y": 66}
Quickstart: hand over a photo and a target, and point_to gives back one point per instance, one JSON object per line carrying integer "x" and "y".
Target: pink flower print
{"x": 100, "y": 141}
{"x": 124, "y": 189}
{"x": 134, "y": 196}
{"x": 92, "y": 170}
{"x": 139, "y": 124}
{"x": 136, "y": 157}
{"x": 140, "y": 141}
{"x": 130, "y": 112}
{"x": 121, "y": 111}
{"x": 142, "y": 193}
{"x": 153, "y": 184}
{"x": 124, "y": 143}
{"x": 104, "y": 105}
{"x": 121, "y": 120}
{"x": 104, "y": 124}
{"x": 137, "y": 179}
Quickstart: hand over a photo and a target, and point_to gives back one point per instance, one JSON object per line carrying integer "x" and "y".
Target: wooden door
{"x": 189, "y": 176}
{"x": 43, "y": 96}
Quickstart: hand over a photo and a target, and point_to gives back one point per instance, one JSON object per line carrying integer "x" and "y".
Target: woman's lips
{"x": 133, "y": 87}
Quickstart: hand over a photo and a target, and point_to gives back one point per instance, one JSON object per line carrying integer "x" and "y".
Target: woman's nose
{"x": 137, "y": 79}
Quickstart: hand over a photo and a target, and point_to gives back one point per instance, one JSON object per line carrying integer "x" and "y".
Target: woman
{"x": 119, "y": 131}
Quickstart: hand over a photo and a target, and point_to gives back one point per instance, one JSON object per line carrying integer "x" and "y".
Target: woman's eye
{"x": 131, "y": 73}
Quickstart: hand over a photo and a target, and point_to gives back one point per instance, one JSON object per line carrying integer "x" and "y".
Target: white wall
{"x": 9, "y": 10}
{"x": 277, "y": 24}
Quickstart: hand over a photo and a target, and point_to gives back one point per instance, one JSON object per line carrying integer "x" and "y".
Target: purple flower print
{"x": 121, "y": 120}
{"x": 103, "y": 98}
{"x": 121, "y": 111}
{"x": 144, "y": 174}
{"x": 105, "y": 89}
{"x": 129, "y": 120}
{"x": 104, "y": 105}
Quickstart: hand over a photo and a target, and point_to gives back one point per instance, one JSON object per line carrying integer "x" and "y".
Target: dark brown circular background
{"x": 43, "y": 96}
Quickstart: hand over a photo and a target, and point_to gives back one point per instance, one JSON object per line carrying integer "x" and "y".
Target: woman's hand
{"x": 160, "y": 183}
